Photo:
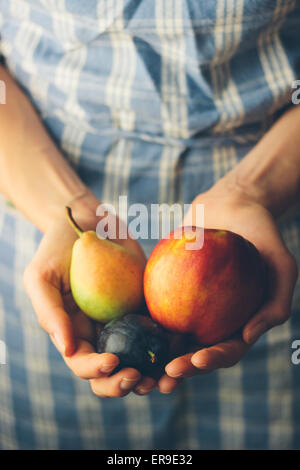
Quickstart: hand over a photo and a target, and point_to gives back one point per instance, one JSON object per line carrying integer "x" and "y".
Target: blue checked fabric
{"x": 156, "y": 100}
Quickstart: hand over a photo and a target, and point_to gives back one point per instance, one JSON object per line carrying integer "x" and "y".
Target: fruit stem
{"x": 152, "y": 356}
{"x": 72, "y": 222}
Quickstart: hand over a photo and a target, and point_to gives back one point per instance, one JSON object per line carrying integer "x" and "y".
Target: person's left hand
{"x": 236, "y": 212}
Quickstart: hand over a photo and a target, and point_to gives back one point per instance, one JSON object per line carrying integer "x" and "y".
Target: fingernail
{"x": 143, "y": 391}
{"x": 59, "y": 342}
{"x": 128, "y": 384}
{"x": 175, "y": 376}
{"x": 107, "y": 368}
{"x": 200, "y": 365}
{"x": 253, "y": 335}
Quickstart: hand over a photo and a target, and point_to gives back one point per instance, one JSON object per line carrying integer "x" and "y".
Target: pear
{"x": 106, "y": 279}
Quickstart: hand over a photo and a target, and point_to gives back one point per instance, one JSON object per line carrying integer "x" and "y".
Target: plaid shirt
{"x": 155, "y": 99}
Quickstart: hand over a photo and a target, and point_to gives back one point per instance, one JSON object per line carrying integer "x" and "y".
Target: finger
{"x": 167, "y": 384}
{"x": 222, "y": 355}
{"x": 87, "y": 364}
{"x": 117, "y": 385}
{"x": 181, "y": 367}
{"x": 145, "y": 386}
{"x": 48, "y": 305}
{"x": 282, "y": 279}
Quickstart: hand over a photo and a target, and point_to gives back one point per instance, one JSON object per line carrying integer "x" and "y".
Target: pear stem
{"x": 72, "y": 222}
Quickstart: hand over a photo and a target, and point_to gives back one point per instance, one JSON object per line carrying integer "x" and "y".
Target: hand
{"x": 235, "y": 211}
{"x": 46, "y": 280}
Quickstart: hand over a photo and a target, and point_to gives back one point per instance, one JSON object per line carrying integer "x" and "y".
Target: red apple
{"x": 210, "y": 292}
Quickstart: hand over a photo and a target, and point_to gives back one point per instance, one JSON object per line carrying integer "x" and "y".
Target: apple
{"x": 211, "y": 291}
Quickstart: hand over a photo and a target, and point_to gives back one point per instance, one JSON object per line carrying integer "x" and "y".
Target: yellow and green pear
{"x": 106, "y": 279}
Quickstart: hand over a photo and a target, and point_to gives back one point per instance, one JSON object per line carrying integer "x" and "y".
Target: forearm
{"x": 34, "y": 175}
{"x": 270, "y": 173}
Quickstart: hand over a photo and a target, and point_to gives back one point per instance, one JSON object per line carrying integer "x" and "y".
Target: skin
{"x": 36, "y": 177}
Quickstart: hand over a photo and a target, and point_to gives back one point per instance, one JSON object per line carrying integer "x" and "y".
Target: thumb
{"x": 48, "y": 305}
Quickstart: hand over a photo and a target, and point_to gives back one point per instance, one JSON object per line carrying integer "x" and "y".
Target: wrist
{"x": 83, "y": 204}
{"x": 262, "y": 184}
{"x": 230, "y": 188}
{"x": 236, "y": 186}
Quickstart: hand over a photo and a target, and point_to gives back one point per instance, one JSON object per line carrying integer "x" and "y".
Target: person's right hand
{"x": 46, "y": 280}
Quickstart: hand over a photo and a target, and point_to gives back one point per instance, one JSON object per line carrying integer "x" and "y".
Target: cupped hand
{"x": 46, "y": 280}
{"x": 234, "y": 211}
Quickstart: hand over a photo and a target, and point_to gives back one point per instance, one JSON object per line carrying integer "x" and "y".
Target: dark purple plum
{"x": 138, "y": 342}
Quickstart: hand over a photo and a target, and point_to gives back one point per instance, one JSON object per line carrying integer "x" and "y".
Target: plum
{"x": 138, "y": 342}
